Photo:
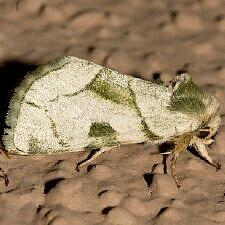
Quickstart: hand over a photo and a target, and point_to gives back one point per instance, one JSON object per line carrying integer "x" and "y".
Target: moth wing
{"x": 40, "y": 117}
{"x": 154, "y": 103}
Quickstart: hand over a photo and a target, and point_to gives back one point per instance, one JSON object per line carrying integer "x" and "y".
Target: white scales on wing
{"x": 74, "y": 105}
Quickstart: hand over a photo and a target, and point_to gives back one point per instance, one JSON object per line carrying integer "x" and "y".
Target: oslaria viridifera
{"x": 72, "y": 105}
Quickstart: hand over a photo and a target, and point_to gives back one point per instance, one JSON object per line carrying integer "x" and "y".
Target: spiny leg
{"x": 91, "y": 157}
{"x": 4, "y": 176}
{"x": 207, "y": 141}
{"x": 3, "y": 151}
{"x": 181, "y": 144}
{"x": 172, "y": 168}
{"x": 201, "y": 149}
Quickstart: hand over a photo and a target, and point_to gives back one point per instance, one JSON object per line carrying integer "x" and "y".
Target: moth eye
{"x": 204, "y": 132}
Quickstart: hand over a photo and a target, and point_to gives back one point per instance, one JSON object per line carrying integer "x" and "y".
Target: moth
{"x": 72, "y": 105}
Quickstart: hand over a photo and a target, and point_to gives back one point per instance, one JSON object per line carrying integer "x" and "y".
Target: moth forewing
{"x": 74, "y": 105}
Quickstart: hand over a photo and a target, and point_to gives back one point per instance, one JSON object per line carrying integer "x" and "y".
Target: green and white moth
{"x": 72, "y": 105}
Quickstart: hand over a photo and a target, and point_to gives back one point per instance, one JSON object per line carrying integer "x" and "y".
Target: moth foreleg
{"x": 207, "y": 141}
{"x": 181, "y": 144}
{"x": 91, "y": 157}
{"x": 201, "y": 149}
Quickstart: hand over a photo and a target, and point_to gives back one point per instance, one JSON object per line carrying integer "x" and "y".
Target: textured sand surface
{"x": 127, "y": 185}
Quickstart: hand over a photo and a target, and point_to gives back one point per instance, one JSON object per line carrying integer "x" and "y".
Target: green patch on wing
{"x": 104, "y": 135}
{"x": 100, "y": 130}
{"x": 149, "y": 134}
{"x": 187, "y": 98}
{"x": 34, "y": 146}
{"x": 112, "y": 92}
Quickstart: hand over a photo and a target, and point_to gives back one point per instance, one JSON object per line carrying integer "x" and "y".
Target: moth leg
{"x": 181, "y": 144}
{"x": 207, "y": 141}
{"x": 172, "y": 168}
{"x": 4, "y": 176}
{"x": 201, "y": 149}
{"x": 3, "y": 151}
{"x": 166, "y": 153}
{"x": 90, "y": 158}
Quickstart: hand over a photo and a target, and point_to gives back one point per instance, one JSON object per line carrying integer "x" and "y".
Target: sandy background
{"x": 128, "y": 185}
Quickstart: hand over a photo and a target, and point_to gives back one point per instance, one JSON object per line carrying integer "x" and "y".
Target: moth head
{"x": 211, "y": 116}
{"x": 213, "y": 125}
{"x": 209, "y": 129}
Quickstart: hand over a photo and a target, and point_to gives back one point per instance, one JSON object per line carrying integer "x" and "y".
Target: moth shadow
{"x": 12, "y": 73}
